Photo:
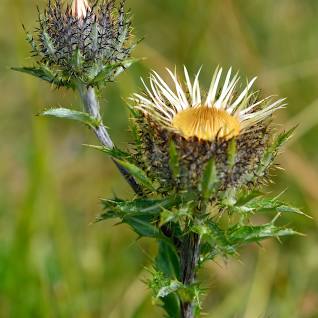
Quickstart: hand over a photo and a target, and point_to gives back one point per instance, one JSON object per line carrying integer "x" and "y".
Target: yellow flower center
{"x": 206, "y": 123}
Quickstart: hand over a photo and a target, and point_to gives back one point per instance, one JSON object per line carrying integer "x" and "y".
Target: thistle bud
{"x": 92, "y": 52}
{"x": 80, "y": 8}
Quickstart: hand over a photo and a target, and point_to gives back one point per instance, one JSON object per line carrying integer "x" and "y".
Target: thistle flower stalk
{"x": 190, "y": 254}
{"x": 92, "y": 107}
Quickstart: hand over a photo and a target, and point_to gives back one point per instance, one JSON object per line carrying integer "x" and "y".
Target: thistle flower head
{"x": 227, "y": 125}
{"x": 225, "y": 112}
{"x": 91, "y": 44}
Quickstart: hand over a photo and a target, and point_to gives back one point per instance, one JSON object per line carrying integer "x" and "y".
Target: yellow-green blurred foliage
{"x": 54, "y": 263}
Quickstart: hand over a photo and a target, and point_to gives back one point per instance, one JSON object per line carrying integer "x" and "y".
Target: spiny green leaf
{"x": 209, "y": 180}
{"x": 45, "y": 73}
{"x": 245, "y": 197}
{"x": 272, "y": 204}
{"x": 171, "y": 288}
{"x": 31, "y": 41}
{"x": 108, "y": 72}
{"x": 174, "y": 160}
{"x": 117, "y": 208}
{"x": 138, "y": 174}
{"x": 104, "y": 74}
{"x": 166, "y": 216}
{"x": 167, "y": 260}
{"x": 139, "y": 206}
{"x": 282, "y": 138}
{"x": 113, "y": 152}
{"x": 72, "y": 115}
{"x": 254, "y": 201}
{"x": 282, "y": 208}
{"x": 177, "y": 215}
{"x": 171, "y": 305}
{"x": 212, "y": 234}
{"x": 142, "y": 224}
{"x": 273, "y": 149}
{"x": 124, "y": 65}
{"x": 239, "y": 235}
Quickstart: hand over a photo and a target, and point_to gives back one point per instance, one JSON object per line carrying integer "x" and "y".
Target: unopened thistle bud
{"x": 82, "y": 44}
{"x": 225, "y": 135}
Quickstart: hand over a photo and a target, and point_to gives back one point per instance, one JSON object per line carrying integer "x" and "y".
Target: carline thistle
{"x": 228, "y": 126}
{"x": 198, "y": 159}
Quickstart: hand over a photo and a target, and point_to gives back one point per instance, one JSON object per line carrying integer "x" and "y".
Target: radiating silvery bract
{"x": 228, "y": 127}
{"x": 89, "y": 43}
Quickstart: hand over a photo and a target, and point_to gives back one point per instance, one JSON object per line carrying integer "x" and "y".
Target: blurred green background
{"x": 54, "y": 263}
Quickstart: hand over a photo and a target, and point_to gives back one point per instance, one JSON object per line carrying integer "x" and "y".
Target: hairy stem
{"x": 92, "y": 107}
{"x": 190, "y": 253}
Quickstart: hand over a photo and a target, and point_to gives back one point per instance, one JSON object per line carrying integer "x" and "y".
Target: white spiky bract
{"x": 164, "y": 102}
{"x": 80, "y": 8}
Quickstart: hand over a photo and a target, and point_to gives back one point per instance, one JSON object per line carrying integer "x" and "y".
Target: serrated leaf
{"x": 177, "y": 215}
{"x": 243, "y": 197}
{"x": 166, "y": 216}
{"x": 124, "y": 66}
{"x": 171, "y": 288}
{"x": 141, "y": 214}
{"x": 284, "y": 208}
{"x": 139, "y": 206}
{"x": 209, "y": 180}
{"x": 282, "y": 138}
{"x": 109, "y": 71}
{"x": 213, "y": 235}
{"x": 167, "y": 260}
{"x": 138, "y": 174}
{"x": 115, "y": 152}
{"x": 104, "y": 74}
{"x": 254, "y": 201}
{"x": 31, "y": 41}
{"x": 239, "y": 235}
{"x": 171, "y": 305}
{"x": 142, "y": 224}
{"x": 174, "y": 160}
{"x": 273, "y": 149}
{"x": 72, "y": 115}
{"x": 46, "y": 74}
{"x": 259, "y": 204}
